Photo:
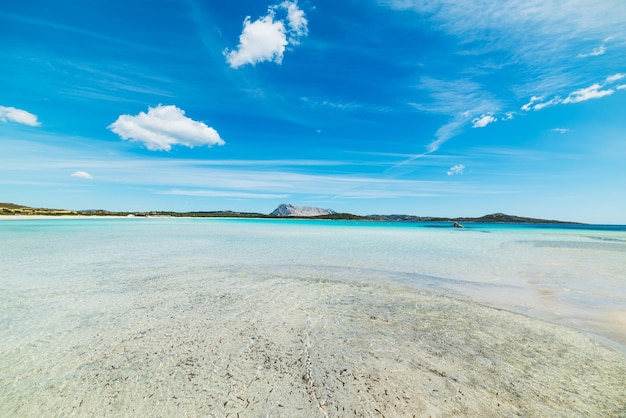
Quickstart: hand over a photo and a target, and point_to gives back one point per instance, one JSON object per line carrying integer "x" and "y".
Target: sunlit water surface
{"x": 63, "y": 277}
{"x": 573, "y": 275}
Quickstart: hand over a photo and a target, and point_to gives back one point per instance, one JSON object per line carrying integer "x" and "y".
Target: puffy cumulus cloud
{"x": 592, "y": 92}
{"x": 267, "y": 38}
{"x": 261, "y": 40}
{"x": 483, "y": 121}
{"x": 164, "y": 126}
{"x": 82, "y": 175}
{"x": 457, "y": 169}
{"x": 11, "y": 114}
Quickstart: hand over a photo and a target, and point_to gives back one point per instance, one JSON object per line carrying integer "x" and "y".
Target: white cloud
{"x": 457, "y": 169}
{"x": 551, "y": 102}
{"x": 266, "y": 38}
{"x": 592, "y": 92}
{"x": 82, "y": 175}
{"x": 595, "y": 91}
{"x": 621, "y": 87}
{"x": 615, "y": 77}
{"x": 594, "y": 53}
{"x": 261, "y": 40}
{"x": 164, "y": 126}
{"x": 11, "y": 114}
{"x": 483, "y": 121}
{"x": 509, "y": 116}
{"x": 537, "y": 103}
{"x": 296, "y": 20}
{"x": 560, "y": 130}
{"x": 530, "y": 104}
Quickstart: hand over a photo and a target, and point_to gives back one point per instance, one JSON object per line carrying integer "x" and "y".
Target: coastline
{"x": 284, "y": 211}
{"x": 52, "y": 217}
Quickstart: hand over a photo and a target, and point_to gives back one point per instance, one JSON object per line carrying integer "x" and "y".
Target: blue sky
{"x": 434, "y": 108}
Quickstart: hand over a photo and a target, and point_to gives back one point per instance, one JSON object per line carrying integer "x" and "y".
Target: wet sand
{"x": 246, "y": 346}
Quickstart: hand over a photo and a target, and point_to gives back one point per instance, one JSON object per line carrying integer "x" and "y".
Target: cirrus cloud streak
{"x": 594, "y": 91}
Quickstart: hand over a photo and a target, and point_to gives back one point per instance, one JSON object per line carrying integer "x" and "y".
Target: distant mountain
{"x": 300, "y": 211}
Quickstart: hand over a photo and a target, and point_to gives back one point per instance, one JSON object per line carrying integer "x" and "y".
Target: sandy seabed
{"x": 240, "y": 346}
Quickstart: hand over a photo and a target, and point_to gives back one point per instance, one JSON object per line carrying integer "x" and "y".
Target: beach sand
{"x": 246, "y": 346}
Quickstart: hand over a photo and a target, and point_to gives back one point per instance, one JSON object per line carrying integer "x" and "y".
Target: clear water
{"x": 80, "y": 286}
{"x": 575, "y": 274}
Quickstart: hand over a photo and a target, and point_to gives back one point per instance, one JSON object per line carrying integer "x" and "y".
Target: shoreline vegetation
{"x": 11, "y": 209}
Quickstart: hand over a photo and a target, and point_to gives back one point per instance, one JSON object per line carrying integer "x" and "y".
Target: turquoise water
{"x": 209, "y": 317}
{"x": 570, "y": 274}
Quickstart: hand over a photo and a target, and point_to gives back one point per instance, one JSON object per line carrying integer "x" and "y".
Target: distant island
{"x": 282, "y": 211}
{"x": 289, "y": 210}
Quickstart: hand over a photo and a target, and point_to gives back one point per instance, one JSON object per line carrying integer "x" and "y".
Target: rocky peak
{"x": 287, "y": 209}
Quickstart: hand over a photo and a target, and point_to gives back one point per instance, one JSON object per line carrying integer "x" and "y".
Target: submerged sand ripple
{"x": 293, "y": 347}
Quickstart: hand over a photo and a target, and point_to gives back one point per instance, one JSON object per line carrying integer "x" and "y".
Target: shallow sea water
{"x": 209, "y": 317}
